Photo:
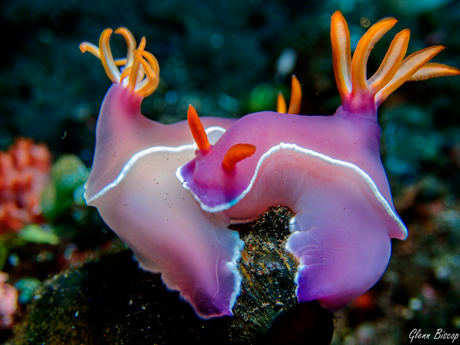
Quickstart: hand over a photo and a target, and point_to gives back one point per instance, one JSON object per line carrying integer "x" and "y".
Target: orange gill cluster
{"x": 24, "y": 172}
{"x": 139, "y": 71}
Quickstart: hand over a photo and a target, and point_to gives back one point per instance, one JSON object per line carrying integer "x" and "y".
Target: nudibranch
{"x": 326, "y": 169}
{"x": 133, "y": 185}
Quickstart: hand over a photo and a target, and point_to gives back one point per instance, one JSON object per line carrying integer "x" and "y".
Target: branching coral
{"x": 24, "y": 172}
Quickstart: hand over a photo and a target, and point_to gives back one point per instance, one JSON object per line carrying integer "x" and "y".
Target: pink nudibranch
{"x": 327, "y": 169}
{"x": 134, "y": 187}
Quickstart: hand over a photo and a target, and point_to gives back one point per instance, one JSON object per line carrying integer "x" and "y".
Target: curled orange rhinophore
{"x": 237, "y": 153}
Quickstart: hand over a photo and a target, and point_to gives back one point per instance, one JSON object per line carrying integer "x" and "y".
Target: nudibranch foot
{"x": 361, "y": 95}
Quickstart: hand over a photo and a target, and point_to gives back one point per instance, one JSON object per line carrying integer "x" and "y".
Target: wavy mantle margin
{"x": 311, "y": 153}
{"x": 138, "y": 156}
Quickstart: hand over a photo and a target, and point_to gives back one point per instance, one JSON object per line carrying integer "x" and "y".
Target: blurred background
{"x": 227, "y": 58}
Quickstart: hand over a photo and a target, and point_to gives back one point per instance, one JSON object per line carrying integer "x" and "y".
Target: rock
{"x": 112, "y": 301}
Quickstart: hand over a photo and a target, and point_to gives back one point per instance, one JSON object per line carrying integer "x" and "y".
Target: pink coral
{"x": 24, "y": 172}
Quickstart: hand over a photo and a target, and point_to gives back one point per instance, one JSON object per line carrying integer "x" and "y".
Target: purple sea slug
{"x": 133, "y": 185}
{"x": 327, "y": 169}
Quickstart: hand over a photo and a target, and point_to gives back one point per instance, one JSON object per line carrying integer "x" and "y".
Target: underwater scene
{"x": 230, "y": 172}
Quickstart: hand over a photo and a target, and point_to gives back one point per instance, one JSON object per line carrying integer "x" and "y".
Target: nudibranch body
{"x": 327, "y": 169}
{"x": 133, "y": 185}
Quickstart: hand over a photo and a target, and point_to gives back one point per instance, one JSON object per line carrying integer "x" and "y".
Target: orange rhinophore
{"x": 236, "y": 154}
{"x": 296, "y": 99}
{"x": 197, "y": 129}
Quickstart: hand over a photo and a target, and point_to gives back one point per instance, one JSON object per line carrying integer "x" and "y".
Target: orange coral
{"x": 24, "y": 172}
